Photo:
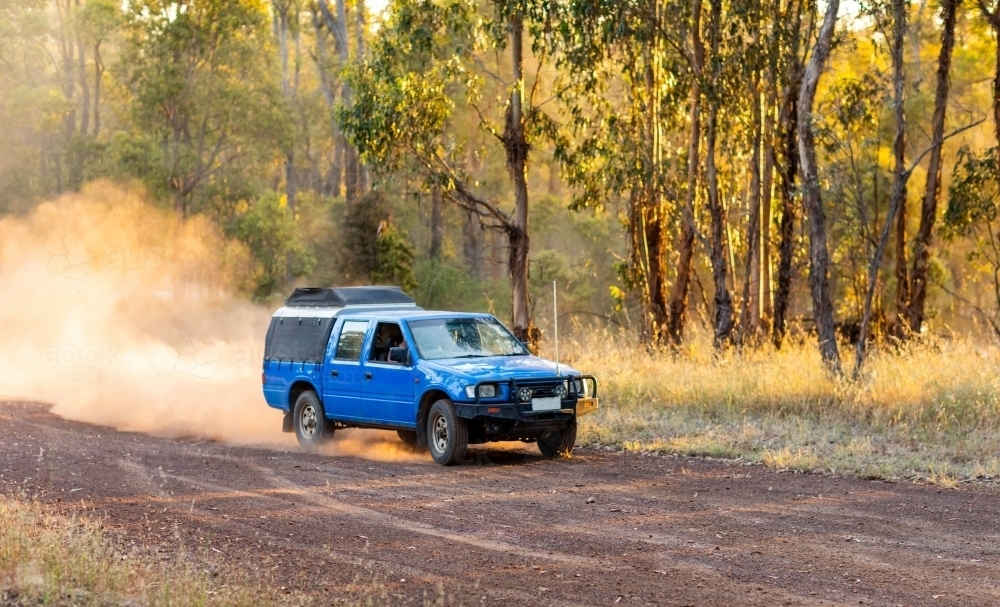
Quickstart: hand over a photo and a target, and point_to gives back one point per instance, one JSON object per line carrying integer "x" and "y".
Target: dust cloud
{"x": 121, "y": 314}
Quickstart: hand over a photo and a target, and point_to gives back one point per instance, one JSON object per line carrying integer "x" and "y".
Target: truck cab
{"x": 368, "y": 357}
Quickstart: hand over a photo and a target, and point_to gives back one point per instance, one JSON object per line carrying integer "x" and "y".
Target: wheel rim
{"x": 440, "y": 434}
{"x": 308, "y": 420}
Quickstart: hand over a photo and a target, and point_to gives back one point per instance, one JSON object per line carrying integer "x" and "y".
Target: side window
{"x": 352, "y": 337}
{"x": 387, "y": 335}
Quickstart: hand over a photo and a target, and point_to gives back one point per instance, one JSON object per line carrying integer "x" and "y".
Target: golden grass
{"x": 48, "y": 559}
{"x": 927, "y": 410}
{"x": 54, "y": 560}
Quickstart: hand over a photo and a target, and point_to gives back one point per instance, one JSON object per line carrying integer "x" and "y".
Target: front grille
{"x": 540, "y": 388}
{"x": 543, "y": 391}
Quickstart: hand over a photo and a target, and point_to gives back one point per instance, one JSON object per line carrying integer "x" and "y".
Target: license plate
{"x": 546, "y": 404}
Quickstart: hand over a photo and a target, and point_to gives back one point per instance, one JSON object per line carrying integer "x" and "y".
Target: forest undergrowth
{"x": 926, "y": 410}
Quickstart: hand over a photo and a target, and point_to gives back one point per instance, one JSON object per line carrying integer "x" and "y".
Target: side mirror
{"x": 399, "y": 355}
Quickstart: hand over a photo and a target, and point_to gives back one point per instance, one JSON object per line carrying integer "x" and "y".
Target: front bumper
{"x": 574, "y": 404}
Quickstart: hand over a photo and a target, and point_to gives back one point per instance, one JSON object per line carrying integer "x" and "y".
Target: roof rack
{"x": 329, "y": 297}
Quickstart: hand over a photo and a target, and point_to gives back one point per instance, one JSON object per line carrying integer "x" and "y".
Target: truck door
{"x": 387, "y": 387}
{"x": 342, "y": 384}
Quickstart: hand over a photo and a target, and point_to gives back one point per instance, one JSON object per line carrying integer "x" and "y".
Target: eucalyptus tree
{"x": 932, "y": 188}
{"x": 819, "y": 255}
{"x": 627, "y": 71}
{"x": 425, "y": 63}
{"x": 96, "y": 23}
{"x": 285, "y": 27}
{"x": 900, "y": 8}
{"x": 200, "y": 89}
{"x": 790, "y": 59}
{"x": 990, "y": 10}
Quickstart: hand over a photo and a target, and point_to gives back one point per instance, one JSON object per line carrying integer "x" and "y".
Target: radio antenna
{"x": 555, "y": 323}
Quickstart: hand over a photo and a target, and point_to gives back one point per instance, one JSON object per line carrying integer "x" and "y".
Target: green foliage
{"x": 402, "y": 92}
{"x": 269, "y": 232}
{"x": 448, "y": 285}
{"x": 200, "y": 85}
{"x": 394, "y": 257}
{"x": 363, "y": 222}
{"x": 972, "y": 195}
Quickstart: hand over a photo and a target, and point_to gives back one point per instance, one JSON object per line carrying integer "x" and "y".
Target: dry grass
{"x": 929, "y": 410}
{"x": 48, "y": 559}
{"x": 54, "y": 560}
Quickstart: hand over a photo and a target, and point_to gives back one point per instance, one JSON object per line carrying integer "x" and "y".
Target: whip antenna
{"x": 555, "y": 323}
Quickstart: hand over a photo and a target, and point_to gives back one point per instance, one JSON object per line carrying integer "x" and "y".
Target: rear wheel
{"x": 559, "y": 442}
{"x": 409, "y": 437}
{"x": 447, "y": 433}
{"x": 312, "y": 428}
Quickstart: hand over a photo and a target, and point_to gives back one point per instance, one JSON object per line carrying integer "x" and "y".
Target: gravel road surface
{"x": 510, "y": 527}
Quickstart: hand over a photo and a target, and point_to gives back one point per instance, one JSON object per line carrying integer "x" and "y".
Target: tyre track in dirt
{"x": 511, "y": 527}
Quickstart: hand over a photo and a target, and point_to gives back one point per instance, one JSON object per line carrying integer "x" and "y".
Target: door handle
{"x": 368, "y": 375}
{"x": 335, "y": 373}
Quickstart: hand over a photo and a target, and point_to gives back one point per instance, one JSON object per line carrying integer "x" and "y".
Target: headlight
{"x": 524, "y": 394}
{"x": 485, "y": 391}
{"x": 578, "y": 386}
{"x": 561, "y": 390}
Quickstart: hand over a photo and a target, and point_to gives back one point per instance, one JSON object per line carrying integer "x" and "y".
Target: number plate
{"x": 546, "y": 404}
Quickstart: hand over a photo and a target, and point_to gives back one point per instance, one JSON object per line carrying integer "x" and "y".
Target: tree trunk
{"x": 437, "y": 228}
{"x": 752, "y": 300}
{"x": 723, "y": 321}
{"x": 98, "y": 74}
{"x": 993, "y": 18}
{"x": 81, "y": 59}
{"x": 472, "y": 245}
{"x": 653, "y": 245}
{"x": 335, "y": 170}
{"x": 766, "y": 210}
{"x": 932, "y": 188}
{"x": 819, "y": 256}
{"x": 516, "y": 147}
{"x": 281, "y": 26}
{"x": 678, "y": 301}
{"x": 750, "y": 318}
{"x": 66, "y": 51}
{"x": 364, "y": 179}
{"x": 788, "y": 124}
{"x": 899, "y": 8}
{"x": 334, "y": 181}
{"x": 291, "y": 185}
{"x": 786, "y": 236}
{"x": 353, "y": 185}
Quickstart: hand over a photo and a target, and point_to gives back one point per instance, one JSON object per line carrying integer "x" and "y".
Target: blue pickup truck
{"x": 368, "y": 357}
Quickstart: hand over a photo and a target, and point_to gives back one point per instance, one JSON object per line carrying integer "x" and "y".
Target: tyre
{"x": 312, "y": 428}
{"x": 559, "y": 442}
{"x": 447, "y": 434}
{"x": 409, "y": 437}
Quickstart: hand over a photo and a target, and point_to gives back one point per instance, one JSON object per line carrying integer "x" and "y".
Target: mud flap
{"x": 286, "y": 424}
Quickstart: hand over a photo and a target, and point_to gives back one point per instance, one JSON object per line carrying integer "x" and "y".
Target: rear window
{"x": 298, "y": 339}
{"x": 352, "y": 337}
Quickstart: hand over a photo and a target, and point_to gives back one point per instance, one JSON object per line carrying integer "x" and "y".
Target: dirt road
{"x": 512, "y": 528}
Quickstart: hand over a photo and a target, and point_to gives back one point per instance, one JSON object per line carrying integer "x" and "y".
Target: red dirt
{"x": 511, "y": 527}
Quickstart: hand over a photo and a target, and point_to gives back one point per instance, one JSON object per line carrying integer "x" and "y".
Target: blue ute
{"x": 368, "y": 357}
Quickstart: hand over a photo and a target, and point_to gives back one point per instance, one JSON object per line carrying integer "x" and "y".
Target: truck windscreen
{"x": 463, "y": 338}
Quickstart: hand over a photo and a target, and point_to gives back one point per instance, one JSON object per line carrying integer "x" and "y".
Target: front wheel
{"x": 559, "y": 442}
{"x": 312, "y": 428}
{"x": 447, "y": 434}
